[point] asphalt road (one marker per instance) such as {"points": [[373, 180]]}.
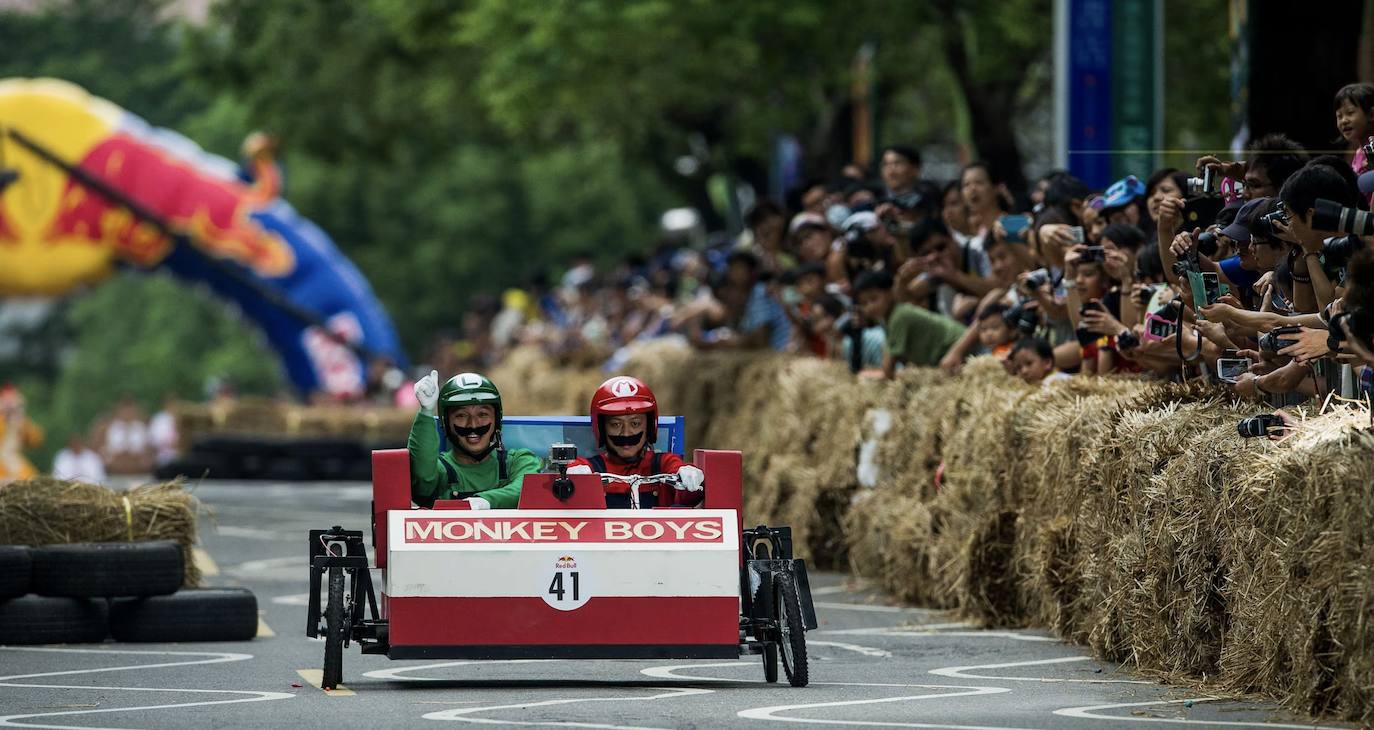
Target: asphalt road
{"points": [[873, 664]]}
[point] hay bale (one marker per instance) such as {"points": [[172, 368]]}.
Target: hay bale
{"points": [[988, 588], [1299, 524], [890, 542], [47, 511]]}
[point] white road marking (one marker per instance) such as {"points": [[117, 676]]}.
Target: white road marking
{"points": [[215, 658], [294, 599], [397, 672], [863, 607], [1089, 713], [461, 714], [218, 658], [672, 672], [962, 672], [828, 590], [856, 648], [266, 564], [977, 634], [770, 713], [250, 533], [890, 629]]}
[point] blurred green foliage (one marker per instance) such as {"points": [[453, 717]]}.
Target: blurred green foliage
{"points": [[453, 149]]}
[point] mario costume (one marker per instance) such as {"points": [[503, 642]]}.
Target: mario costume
{"points": [[475, 468], [629, 454]]}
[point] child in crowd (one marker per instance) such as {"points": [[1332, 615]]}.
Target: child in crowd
{"points": [[1032, 360], [995, 333]]}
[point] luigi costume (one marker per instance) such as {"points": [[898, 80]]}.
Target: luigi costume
{"points": [[489, 479]]}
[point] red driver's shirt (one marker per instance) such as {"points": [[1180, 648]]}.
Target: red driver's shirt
{"points": [[668, 463]]}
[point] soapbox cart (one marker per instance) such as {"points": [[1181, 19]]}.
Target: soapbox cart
{"points": [[562, 576]]}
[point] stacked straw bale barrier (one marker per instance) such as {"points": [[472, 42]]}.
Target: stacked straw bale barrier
{"points": [[1124, 515], [47, 511]]}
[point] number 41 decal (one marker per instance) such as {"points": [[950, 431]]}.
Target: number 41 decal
{"points": [[566, 589]]}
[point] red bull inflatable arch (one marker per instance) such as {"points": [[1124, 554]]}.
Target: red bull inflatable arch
{"points": [[89, 187]]}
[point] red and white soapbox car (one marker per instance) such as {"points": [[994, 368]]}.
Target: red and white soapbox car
{"points": [[562, 576]]}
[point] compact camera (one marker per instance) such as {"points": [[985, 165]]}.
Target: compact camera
{"points": [[1207, 185], [1261, 425]]}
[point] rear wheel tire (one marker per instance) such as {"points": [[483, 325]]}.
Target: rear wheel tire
{"points": [[334, 631], [791, 631], [764, 606]]}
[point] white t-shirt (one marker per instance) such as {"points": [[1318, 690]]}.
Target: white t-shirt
{"points": [[162, 430], [85, 466], [129, 437]]}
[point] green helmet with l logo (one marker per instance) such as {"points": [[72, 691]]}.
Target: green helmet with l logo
{"points": [[469, 389]]}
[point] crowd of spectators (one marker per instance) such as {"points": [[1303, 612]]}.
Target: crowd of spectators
{"points": [[1251, 271], [124, 442]]}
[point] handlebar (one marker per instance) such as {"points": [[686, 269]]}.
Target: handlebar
{"points": [[636, 480]]}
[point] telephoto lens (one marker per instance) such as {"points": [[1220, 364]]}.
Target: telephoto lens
{"points": [[1259, 426], [1328, 215]]}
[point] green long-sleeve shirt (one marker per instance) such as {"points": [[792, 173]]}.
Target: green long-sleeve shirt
{"points": [[441, 476]]}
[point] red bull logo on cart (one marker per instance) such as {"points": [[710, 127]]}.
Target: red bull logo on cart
{"points": [[627, 530]]}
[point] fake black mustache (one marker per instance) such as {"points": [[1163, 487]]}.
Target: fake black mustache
{"points": [[465, 432], [630, 440]]}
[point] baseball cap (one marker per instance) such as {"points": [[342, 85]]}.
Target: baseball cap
{"points": [[1239, 229], [1123, 191], [865, 220], [1228, 215], [1367, 183], [804, 219]]}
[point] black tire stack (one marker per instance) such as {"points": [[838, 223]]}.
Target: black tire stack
{"points": [[318, 458], [84, 592]]}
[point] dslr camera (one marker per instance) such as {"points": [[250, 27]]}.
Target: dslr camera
{"points": [[1328, 215], [1275, 340], [1036, 279], [1023, 319], [1093, 253], [1207, 243]]}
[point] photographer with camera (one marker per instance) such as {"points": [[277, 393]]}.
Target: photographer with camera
{"points": [[1312, 287], [1009, 260], [865, 245], [942, 274], [1269, 162]]}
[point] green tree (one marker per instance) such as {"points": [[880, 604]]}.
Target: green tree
{"points": [[147, 335]]}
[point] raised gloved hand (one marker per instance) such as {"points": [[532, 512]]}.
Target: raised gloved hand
{"points": [[478, 503], [690, 478], [580, 469], [427, 392]]}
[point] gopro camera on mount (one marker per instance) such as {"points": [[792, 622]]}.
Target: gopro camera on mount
{"points": [[562, 456]]}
